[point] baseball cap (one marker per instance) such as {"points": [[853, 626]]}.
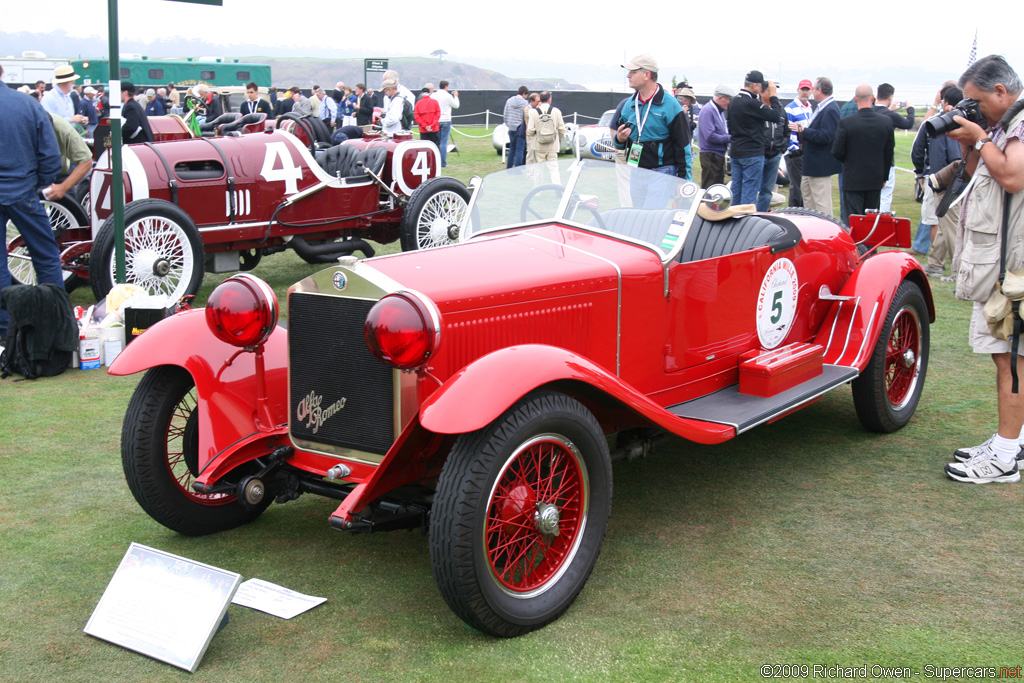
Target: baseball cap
{"points": [[754, 76], [389, 83], [64, 73], [806, 83], [724, 91], [151, 93], [89, 90], [685, 92], [644, 61]]}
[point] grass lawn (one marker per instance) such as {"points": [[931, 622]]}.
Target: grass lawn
{"points": [[805, 542]]}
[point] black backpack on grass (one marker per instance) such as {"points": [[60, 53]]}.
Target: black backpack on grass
{"points": [[42, 333]]}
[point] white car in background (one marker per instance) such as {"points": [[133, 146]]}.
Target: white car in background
{"points": [[499, 138], [595, 141]]}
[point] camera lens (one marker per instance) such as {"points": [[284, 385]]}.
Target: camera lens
{"points": [[941, 124]]}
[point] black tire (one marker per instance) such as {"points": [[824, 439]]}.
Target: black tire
{"points": [[302, 122], [886, 394], [64, 214], [159, 453], [500, 475], [163, 251], [434, 214]]}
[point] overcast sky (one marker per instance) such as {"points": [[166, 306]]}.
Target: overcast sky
{"points": [[740, 35]]}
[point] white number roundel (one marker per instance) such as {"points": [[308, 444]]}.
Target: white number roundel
{"points": [[776, 303]]}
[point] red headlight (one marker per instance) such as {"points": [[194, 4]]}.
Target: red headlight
{"points": [[403, 330], [242, 310]]}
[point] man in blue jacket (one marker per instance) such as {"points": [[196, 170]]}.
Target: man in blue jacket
{"points": [[817, 137], [30, 161], [653, 129]]}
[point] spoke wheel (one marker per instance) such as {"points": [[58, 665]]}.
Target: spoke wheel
{"points": [[519, 515], [435, 213], [887, 393], [160, 456], [64, 215], [162, 248]]}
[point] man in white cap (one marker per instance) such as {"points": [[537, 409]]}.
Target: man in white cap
{"points": [[58, 100], [87, 108], [653, 128], [392, 122]]}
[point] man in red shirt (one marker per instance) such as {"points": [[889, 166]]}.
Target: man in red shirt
{"points": [[428, 117]]}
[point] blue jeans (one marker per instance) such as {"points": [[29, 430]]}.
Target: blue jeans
{"points": [[653, 192], [922, 239], [516, 149], [746, 179], [769, 176], [29, 216], [445, 133]]}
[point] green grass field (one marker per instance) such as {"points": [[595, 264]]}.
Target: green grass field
{"points": [[805, 542]]}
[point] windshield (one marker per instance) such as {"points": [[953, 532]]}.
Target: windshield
{"points": [[606, 119], [636, 204]]}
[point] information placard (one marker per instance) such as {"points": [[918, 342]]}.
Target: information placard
{"points": [[163, 606]]}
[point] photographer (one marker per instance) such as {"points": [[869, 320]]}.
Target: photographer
{"points": [[995, 159]]}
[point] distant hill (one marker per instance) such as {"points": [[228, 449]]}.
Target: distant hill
{"points": [[413, 73]]}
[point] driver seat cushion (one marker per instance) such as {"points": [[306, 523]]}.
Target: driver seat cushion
{"points": [[209, 127], [347, 161], [239, 123], [645, 225], [708, 239]]}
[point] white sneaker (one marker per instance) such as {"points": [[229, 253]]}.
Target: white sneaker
{"points": [[965, 454], [984, 468]]}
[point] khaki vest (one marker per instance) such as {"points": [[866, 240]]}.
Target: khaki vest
{"points": [[979, 233]]}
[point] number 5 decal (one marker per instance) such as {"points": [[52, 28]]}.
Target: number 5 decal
{"points": [[776, 303], [289, 172]]}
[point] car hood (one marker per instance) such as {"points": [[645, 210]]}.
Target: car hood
{"points": [[546, 262]]}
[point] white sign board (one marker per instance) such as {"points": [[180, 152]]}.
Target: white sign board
{"points": [[163, 606], [273, 599]]}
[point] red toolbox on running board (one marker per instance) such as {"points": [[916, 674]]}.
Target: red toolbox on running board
{"points": [[767, 373]]}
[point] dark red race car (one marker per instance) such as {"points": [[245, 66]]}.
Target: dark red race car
{"points": [[219, 204], [591, 299]]}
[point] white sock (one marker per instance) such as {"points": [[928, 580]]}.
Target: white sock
{"points": [[1020, 439], [1005, 449]]}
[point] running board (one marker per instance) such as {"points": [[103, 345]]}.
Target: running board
{"points": [[729, 407]]}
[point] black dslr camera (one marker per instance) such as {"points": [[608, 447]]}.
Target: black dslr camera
{"points": [[943, 123]]}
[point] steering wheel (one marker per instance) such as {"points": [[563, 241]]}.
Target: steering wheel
{"points": [[525, 207], [593, 212]]}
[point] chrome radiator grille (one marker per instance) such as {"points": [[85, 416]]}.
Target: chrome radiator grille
{"points": [[340, 395]]}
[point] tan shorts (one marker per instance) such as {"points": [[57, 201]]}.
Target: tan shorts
{"points": [[980, 339], [928, 207]]}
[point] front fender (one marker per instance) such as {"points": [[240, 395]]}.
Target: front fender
{"points": [[225, 379], [852, 326], [476, 395]]}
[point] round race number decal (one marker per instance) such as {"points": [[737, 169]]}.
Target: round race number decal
{"points": [[776, 303]]}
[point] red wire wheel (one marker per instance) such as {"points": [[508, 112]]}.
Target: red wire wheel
{"points": [[160, 456], [536, 515], [520, 512], [887, 392], [183, 451], [901, 357]]}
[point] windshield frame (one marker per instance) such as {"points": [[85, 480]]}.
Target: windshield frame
{"points": [[568, 207]]}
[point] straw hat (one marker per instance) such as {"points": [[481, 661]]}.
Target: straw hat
{"points": [[64, 73]]}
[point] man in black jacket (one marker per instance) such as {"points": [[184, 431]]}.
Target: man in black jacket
{"points": [[254, 104], [748, 115], [776, 139], [884, 104], [135, 124], [864, 144]]}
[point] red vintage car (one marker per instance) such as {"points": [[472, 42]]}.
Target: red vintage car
{"points": [[219, 204], [591, 299]]}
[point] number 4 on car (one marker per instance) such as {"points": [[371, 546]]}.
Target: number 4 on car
{"points": [[472, 391]]}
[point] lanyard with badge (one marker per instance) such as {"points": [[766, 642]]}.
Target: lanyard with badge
{"points": [[636, 148]]}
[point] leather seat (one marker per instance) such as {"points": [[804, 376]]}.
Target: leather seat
{"points": [[706, 239], [237, 125], [209, 128], [346, 161]]}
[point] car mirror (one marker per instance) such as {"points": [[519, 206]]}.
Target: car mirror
{"points": [[718, 198]]}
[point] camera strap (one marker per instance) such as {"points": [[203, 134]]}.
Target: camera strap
{"points": [[1017, 322]]}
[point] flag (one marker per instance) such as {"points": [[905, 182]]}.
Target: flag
{"points": [[974, 49]]}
